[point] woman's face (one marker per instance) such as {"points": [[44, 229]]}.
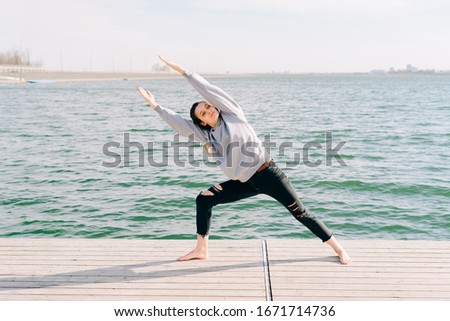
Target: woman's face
{"points": [[207, 113]]}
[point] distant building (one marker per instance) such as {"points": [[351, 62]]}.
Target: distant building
{"points": [[411, 68]]}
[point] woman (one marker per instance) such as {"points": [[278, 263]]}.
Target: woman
{"points": [[220, 124]]}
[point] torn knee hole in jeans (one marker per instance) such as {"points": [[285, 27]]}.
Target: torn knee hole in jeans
{"points": [[296, 209], [301, 215], [291, 207], [212, 190]]}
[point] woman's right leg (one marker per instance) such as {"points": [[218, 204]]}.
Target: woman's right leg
{"points": [[229, 191]]}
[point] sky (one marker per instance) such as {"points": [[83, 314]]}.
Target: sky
{"points": [[230, 35]]}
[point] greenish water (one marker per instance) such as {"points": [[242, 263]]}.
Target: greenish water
{"points": [[394, 129]]}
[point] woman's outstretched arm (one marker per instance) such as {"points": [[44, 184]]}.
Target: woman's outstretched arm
{"points": [[213, 94], [173, 65], [148, 97], [183, 126]]}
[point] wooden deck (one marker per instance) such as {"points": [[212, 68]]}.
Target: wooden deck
{"points": [[281, 269]]}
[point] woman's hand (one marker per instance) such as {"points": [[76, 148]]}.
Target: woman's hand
{"points": [[148, 97], [172, 65]]}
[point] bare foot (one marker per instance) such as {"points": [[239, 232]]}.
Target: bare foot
{"points": [[344, 258], [195, 254]]}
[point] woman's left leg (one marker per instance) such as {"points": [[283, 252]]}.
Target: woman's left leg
{"points": [[282, 190]]}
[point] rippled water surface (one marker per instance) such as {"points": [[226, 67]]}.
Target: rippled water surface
{"points": [[396, 147]]}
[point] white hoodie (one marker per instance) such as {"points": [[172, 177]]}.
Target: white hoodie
{"points": [[237, 150]]}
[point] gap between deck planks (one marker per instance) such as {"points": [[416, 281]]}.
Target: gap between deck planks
{"points": [[278, 269]]}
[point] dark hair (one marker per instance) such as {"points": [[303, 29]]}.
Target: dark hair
{"points": [[197, 120]]}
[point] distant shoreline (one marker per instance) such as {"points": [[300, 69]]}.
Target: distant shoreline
{"points": [[25, 77], [76, 76], [17, 77]]}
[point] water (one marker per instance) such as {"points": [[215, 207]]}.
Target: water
{"points": [[395, 184]]}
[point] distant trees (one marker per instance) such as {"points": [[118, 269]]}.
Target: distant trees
{"points": [[16, 57]]}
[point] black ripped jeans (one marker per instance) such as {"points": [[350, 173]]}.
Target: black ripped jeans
{"points": [[270, 181]]}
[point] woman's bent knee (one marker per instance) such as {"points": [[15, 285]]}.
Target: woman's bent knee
{"points": [[207, 193], [204, 198]]}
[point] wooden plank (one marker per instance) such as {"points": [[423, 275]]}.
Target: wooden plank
{"points": [[362, 244], [301, 294], [123, 244], [136, 291], [129, 269], [365, 252], [147, 296], [124, 269], [391, 286], [351, 276], [316, 280], [138, 284], [119, 259], [381, 270]]}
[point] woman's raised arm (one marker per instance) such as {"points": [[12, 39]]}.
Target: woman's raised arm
{"points": [[172, 65]]}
